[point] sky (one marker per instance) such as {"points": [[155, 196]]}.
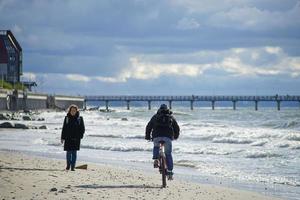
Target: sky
{"points": [[158, 47]]}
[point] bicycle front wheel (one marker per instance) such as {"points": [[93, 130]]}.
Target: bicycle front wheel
{"points": [[164, 171]]}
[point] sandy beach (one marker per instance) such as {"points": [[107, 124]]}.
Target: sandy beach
{"points": [[29, 177]]}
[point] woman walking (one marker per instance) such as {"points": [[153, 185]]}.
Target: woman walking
{"points": [[72, 132]]}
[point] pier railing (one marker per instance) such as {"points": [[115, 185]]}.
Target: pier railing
{"points": [[193, 98]]}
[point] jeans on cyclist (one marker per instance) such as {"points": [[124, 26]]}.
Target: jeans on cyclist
{"points": [[168, 150]]}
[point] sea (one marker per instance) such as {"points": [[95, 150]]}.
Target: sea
{"points": [[243, 149]]}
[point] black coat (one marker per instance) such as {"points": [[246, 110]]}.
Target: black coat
{"points": [[153, 130], [72, 132]]}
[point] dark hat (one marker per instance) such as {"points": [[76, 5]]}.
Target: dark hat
{"points": [[163, 107]]}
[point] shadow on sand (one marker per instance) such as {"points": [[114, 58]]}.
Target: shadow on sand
{"points": [[94, 186], [29, 169]]}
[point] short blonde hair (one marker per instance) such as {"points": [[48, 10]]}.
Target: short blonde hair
{"points": [[72, 106]]}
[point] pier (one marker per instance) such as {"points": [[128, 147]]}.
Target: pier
{"points": [[193, 98]]}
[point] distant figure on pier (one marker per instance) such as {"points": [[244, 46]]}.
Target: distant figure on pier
{"points": [[72, 132], [163, 127]]}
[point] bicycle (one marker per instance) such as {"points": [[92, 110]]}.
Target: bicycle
{"points": [[162, 164]]}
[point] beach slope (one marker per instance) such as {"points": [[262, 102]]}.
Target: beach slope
{"points": [[28, 177]]}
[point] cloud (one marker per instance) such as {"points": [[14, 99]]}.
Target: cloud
{"points": [[28, 76], [6, 3], [110, 79], [78, 77], [186, 24], [236, 62], [273, 50], [145, 70], [253, 18]]}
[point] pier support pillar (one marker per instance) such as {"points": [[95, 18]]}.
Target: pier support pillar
{"points": [[106, 105], [213, 105], [128, 105], [84, 105], [278, 105], [234, 105], [256, 105], [192, 105], [149, 105], [24, 101], [170, 105]]}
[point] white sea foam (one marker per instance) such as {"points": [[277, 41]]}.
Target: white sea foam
{"points": [[232, 140]]}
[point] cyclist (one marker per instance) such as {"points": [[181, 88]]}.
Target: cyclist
{"points": [[163, 127]]}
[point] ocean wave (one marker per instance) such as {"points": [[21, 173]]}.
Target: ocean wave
{"points": [[105, 136], [56, 144], [293, 137], [185, 163], [290, 183], [209, 151], [259, 143], [117, 148], [118, 136], [232, 141], [296, 147], [283, 145], [287, 125], [207, 136], [181, 113], [45, 142], [281, 125], [262, 155]]}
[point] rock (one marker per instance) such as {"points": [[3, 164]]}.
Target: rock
{"points": [[27, 118], [3, 117], [26, 111], [21, 126], [6, 125], [43, 127], [106, 111], [92, 109], [62, 191], [124, 119], [53, 189]]}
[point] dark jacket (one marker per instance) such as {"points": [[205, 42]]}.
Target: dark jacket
{"points": [[72, 132], [154, 130]]}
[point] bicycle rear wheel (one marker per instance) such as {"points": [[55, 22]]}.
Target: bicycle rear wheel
{"points": [[163, 171]]}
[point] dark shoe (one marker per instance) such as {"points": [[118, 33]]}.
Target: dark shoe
{"points": [[170, 175], [68, 167], [155, 163], [72, 169]]}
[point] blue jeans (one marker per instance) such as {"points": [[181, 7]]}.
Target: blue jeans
{"points": [[71, 158], [168, 150]]}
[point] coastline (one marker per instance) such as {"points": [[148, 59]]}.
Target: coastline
{"points": [[29, 177]]}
